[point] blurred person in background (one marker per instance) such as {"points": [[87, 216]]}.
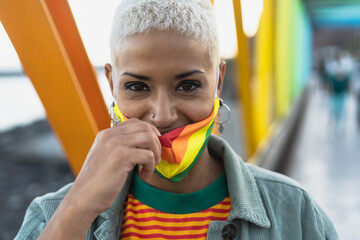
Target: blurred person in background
{"points": [[357, 97], [339, 72], [159, 173], [325, 59], [322, 57]]}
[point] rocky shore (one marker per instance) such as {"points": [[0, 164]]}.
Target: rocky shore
{"points": [[31, 164]]}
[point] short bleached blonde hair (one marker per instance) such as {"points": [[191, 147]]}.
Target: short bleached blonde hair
{"points": [[192, 18]]}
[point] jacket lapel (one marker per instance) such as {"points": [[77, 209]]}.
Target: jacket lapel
{"points": [[109, 222], [246, 202]]}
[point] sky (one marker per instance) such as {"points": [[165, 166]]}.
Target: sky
{"points": [[93, 19]]}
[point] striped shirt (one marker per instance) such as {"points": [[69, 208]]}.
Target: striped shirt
{"points": [[187, 219]]}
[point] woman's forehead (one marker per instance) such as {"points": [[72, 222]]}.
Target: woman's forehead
{"points": [[165, 49]]}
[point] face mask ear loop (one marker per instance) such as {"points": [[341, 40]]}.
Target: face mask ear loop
{"points": [[217, 80], [112, 77]]}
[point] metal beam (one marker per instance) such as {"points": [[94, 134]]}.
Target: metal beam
{"points": [[264, 72], [330, 3], [243, 80], [86, 74], [59, 69]]}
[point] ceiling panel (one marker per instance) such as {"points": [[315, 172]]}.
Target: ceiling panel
{"points": [[334, 13]]}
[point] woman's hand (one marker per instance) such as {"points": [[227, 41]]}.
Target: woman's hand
{"points": [[114, 153]]}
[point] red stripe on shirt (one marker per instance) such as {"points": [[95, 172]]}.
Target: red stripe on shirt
{"points": [[185, 219], [153, 227], [164, 236]]}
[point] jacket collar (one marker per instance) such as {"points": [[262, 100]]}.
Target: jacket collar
{"points": [[245, 198], [109, 220]]}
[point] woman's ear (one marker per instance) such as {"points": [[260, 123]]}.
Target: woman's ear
{"points": [[109, 75], [222, 70]]}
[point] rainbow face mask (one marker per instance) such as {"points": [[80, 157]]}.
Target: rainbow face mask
{"points": [[181, 147]]}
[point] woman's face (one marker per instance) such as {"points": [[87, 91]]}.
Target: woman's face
{"points": [[165, 79]]}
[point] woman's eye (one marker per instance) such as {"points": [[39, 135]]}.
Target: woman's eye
{"points": [[137, 86], [188, 86]]}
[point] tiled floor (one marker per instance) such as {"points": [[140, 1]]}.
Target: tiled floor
{"points": [[328, 164]]}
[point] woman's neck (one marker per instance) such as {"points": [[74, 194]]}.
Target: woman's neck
{"points": [[206, 170]]}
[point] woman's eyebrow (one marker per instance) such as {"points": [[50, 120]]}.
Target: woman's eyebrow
{"points": [[186, 74], [178, 76], [141, 77]]}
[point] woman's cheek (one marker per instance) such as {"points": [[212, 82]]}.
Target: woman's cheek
{"points": [[196, 111], [132, 109]]}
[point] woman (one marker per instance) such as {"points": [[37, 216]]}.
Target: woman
{"points": [[158, 173]]}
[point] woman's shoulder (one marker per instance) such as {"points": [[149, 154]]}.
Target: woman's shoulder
{"points": [[53, 198], [272, 184], [48, 203], [268, 182], [39, 213], [284, 198], [275, 179], [280, 192]]}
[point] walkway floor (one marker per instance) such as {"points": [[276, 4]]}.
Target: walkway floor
{"points": [[328, 164]]}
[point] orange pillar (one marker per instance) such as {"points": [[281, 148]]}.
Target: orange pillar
{"points": [[86, 75], [50, 49], [243, 80]]}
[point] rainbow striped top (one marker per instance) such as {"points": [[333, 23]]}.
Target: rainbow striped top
{"points": [[151, 213]]}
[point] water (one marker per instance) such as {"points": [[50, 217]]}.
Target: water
{"points": [[21, 105], [19, 102]]}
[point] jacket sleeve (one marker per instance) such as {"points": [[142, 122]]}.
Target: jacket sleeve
{"points": [[315, 222], [329, 229]]}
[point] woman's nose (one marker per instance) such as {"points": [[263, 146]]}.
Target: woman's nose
{"points": [[163, 113]]}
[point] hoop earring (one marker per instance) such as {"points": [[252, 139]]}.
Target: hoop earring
{"points": [[226, 107], [111, 114]]}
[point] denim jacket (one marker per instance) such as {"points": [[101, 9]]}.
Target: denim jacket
{"points": [[264, 205]]}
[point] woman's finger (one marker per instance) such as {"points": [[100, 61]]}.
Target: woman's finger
{"points": [[141, 140], [146, 160]]}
